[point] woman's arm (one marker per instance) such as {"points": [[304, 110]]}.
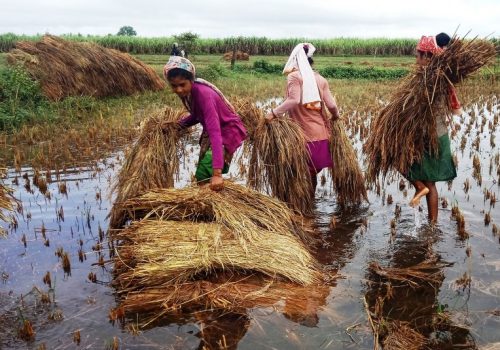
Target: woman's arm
{"points": [[329, 101], [212, 126], [188, 121], [293, 96]]}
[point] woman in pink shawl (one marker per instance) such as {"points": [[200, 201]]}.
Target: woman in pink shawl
{"points": [[307, 96]]}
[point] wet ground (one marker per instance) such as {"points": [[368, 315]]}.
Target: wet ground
{"points": [[459, 309]]}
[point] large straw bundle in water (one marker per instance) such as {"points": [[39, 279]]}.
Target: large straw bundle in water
{"points": [[158, 252], [250, 115], [348, 179], [66, 68], [279, 164], [152, 163], [241, 211], [406, 127], [229, 292]]}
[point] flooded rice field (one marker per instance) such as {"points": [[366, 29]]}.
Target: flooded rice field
{"points": [[54, 263]]}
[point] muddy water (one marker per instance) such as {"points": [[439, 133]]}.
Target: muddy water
{"points": [[451, 312]]}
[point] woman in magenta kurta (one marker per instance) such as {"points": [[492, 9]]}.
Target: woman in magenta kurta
{"points": [[223, 130], [308, 94]]}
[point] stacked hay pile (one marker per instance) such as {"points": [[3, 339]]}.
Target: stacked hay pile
{"points": [[171, 243], [65, 68], [240, 56]]}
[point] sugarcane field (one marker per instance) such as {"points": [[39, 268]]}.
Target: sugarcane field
{"points": [[226, 191]]}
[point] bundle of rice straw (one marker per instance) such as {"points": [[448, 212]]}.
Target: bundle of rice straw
{"points": [[406, 127], [429, 271], [153, 161], [348, 179], [279, 164], [400, 336], [226, 291], [242, 211], [66, 68], [250, 115], [7, 202], [159, 252]]}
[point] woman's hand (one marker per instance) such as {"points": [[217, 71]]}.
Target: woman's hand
{"points": [[217, 182], [270, 116]]}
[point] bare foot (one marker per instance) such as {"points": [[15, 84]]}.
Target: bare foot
{"points": [[418, 195]]}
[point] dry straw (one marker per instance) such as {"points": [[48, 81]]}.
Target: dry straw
{"points": [[240, 210], [347, 176], [158, 252], [279, 163], [229, 292], [406, 127], [66, 68], [153, 161]]}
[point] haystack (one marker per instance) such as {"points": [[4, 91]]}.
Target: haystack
{"points": [[65, 68], [242, 211], [406, 127], [153, 161], [348, 179], [159, 252], [240, 56], [227, 291]]}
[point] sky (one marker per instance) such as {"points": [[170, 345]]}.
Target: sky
{"points": [[272, 19]]}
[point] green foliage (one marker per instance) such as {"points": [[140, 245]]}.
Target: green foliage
{"points": [[213, 72], [341, 72], [127, 31], [21, 98], [263, 66]]}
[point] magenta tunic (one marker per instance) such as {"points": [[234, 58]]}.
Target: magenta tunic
{"points": [[224, 128]]}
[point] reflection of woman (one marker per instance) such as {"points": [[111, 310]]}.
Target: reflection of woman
{"points": [[431, 169], [223, 130], [307, 94]]}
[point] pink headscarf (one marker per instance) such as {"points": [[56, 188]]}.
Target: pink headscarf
{"points": [[429, 44]]}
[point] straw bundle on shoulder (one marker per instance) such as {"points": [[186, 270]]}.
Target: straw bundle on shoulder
{"points": [[66, 68], [158, 252], [229, 292], [348, 179], [240, 210], [406, 127], [153, 161], [279, 164]]}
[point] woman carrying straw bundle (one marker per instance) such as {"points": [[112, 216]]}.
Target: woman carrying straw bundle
{"points": [[432, 168], [223, 130], [307, 94]]}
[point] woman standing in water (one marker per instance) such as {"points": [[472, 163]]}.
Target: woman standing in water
{"points": [[223, 130], [308, 93]]}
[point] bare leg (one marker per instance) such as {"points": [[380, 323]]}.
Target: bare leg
{"points": [[420, 191], [432, 201]]}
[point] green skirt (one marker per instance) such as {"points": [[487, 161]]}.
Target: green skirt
{"points": [[204, 171], [435, 169]]}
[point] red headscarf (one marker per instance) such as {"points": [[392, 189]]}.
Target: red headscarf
{"points": [[429, 44]]}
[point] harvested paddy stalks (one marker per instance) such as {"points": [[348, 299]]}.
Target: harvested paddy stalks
{"points": [[153, 161], [242, 211], [229, 292], [7, 201], [158, 252], [426, 271], [279, 164], [67, 68], [239, 56], [406, 127], [250, 115], [348, 179], [400, 336]]}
